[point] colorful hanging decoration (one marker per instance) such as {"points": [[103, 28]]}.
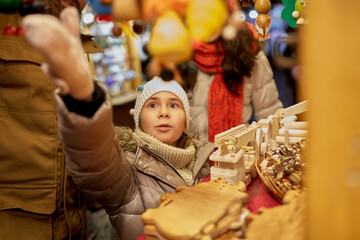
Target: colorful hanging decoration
{"points": [[22, 7], [300, 11], [286, 13], [177, 26], [206, 18], [170, 39], [294, 12], [263, 20], [99, 7], [246, 3], [9, 6], [103, 15]]}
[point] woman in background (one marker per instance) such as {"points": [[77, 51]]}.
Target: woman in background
{"points": [[234, 81]]}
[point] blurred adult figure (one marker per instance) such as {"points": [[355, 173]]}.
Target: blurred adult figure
{"points": [[234, 82], [38, 199]]}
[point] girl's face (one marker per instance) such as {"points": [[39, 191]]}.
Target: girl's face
{"points": [[163, 117]]}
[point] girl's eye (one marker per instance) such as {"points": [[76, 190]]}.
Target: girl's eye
{"points": [[173, 105], [152, 105]]}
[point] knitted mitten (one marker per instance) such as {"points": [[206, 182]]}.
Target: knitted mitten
{"points": [[58, 40]]}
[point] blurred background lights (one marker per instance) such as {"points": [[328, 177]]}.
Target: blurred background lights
{"points": [[243, 16], [253, 14], [88, 18]]}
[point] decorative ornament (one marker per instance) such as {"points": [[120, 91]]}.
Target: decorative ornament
{"points": [[170, 40], [294, 12], [229, 32], [22, 7], [36, 6], [237, 19], [246, 3], [106, 2], [263, 20], [235, 22], [100, 8], [206, 18], [9, 6], [300, 11], [20, 31], [110, 80], [140, 88], [116, 30], [139, 26], [9, 30], [103, 18], [178, 26], [125, 28]]}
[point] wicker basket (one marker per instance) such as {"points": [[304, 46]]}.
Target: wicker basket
{"points": [[276, 190]]}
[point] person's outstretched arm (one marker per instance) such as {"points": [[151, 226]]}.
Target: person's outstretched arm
{"points": [[94, 158], [59, 43]]}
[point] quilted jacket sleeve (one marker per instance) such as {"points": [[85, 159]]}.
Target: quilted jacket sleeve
{"points": [[94, 158], [265, 96]]}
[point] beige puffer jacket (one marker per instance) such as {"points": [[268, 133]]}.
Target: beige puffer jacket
{"points": [[260, 96], [125, 183]]}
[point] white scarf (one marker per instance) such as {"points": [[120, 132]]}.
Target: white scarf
{"points": [[182, 160]]}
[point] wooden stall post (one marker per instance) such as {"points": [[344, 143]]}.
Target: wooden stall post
{"points": [[330, 56]]}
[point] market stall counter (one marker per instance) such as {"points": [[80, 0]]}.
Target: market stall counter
{"points": [[259, 197]]}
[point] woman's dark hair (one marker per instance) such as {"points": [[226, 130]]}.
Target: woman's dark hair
{"points": [[239, 57]]}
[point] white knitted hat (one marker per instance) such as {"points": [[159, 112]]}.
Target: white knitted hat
{"points": [[156, 85]]}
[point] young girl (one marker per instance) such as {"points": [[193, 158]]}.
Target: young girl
{"points": [[125, 182]]}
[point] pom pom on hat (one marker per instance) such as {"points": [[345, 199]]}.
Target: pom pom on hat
{"points": [[154, 86]]}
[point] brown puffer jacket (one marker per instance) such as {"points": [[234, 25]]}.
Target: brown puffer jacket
{"points": [[38, 200], [125, 183]]}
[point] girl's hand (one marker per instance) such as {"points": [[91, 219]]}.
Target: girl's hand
{"points": [[59, 43]]}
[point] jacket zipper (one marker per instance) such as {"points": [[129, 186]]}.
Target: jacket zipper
{"points": [[147, 147]]}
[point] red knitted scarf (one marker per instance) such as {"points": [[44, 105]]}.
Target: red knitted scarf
{"points": [[224, 107]]}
